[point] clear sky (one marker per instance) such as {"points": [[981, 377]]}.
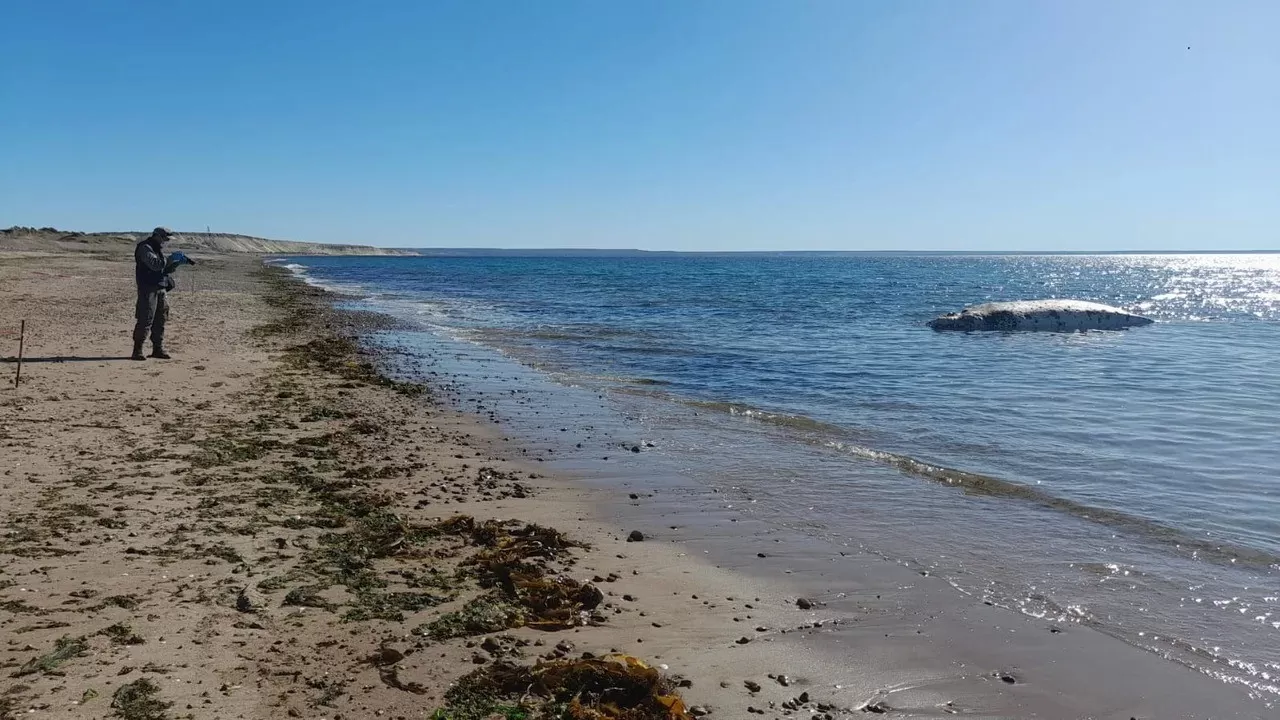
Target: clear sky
{"points": [[682, 124]]}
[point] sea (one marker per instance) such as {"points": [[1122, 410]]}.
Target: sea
{"points": [[1125, 480]]}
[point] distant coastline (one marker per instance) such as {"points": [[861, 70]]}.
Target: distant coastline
{"points": [[49, 238]]}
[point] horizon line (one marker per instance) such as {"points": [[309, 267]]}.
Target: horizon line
{"points": [[640, 251]]}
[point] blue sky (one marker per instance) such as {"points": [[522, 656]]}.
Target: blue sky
{"points": [[688, 125]]}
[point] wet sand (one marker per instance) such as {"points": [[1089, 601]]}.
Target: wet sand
{"points": [[151, 518]]}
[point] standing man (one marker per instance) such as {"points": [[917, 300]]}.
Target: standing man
{"points": [[151, 270]]}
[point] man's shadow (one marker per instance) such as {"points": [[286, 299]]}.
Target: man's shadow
{"points": [[65, 358]]}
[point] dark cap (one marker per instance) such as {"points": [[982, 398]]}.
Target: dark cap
{"points": [[163, 232]]}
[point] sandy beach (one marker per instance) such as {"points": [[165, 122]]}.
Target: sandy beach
{"points": [[267, 526]]}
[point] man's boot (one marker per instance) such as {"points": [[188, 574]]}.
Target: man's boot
{"points": [[157, 351], [137, 352]]}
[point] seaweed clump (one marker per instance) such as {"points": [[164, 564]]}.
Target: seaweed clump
{"points": [[64, 649], [138, 701], [615, 687], [513, 564]]}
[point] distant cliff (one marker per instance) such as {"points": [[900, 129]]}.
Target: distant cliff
{"points": [[47, 238], [225, 242]]}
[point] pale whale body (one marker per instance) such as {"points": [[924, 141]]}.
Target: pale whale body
{"points": [[1040, 315]]}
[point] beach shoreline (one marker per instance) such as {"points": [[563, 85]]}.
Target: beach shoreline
{"points": [[148, 498], [150, 485]]}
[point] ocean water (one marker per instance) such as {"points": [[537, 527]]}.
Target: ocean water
{"points": [[1125, 480]]}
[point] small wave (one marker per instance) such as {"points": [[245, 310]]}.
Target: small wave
{"points": [[655, 349], [626, 380], [302, 273], [577, 332], [1107, 570], [336, 288], [784, 420], [977, 484], [480, 316], [293, 267], [837, 437]]}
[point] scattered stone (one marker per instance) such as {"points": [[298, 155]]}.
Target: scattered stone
{"points": [[635, 536], [752, 686], [386, 656], [743, 640], [804, 604], [249, 600]]}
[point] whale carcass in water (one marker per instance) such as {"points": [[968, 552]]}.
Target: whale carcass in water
{"points": [[1043, 315]]}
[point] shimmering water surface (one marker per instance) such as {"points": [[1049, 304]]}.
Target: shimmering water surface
{"points": [[1127, 480]]}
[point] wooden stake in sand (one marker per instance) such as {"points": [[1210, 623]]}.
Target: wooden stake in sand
{"points": [[22, 340]]}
